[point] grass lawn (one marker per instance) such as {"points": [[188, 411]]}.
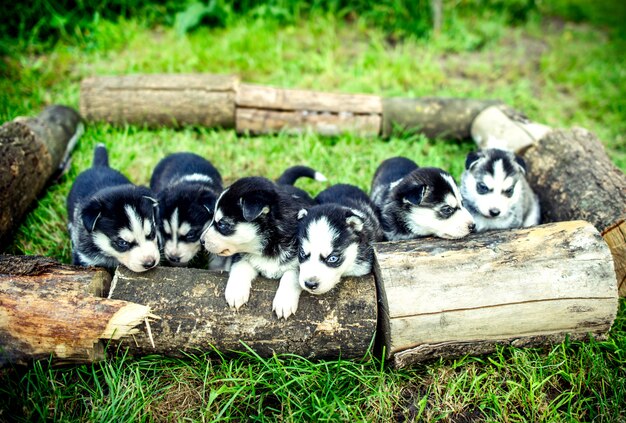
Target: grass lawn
{"points": [[564, 71]]}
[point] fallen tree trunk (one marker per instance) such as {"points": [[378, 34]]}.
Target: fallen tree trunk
{"points": [[31, 152], [195, 316], [527, 287], [575, 179], [154, 100], [50, 310]]}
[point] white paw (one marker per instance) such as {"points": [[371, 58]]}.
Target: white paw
{"points": [[237, 293], [286, 302]]}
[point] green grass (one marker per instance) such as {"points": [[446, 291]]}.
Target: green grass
{"points": [[560, 71]]}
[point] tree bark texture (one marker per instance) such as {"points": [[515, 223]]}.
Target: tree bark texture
{"points": [[31, 152], [262, 110], [194, 316], [575, 179], [51, 310], [523, 287], [158, 99]]}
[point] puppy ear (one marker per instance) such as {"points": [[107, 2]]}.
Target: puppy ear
{"points": [[90, 214], [354, 221], [253, 208], [471, 159], [415, 195], [302, 213], [521, 163]]}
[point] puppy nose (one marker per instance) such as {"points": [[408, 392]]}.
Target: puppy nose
{"points": [[149, 263], [472, 227], [311, 284], [494, 212], [202, 241]]}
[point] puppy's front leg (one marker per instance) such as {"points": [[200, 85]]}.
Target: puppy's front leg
{"points": [[288, 294], [239, 281]]}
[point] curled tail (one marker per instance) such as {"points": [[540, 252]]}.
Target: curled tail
{"points": [[290, 175], [100, 156]]}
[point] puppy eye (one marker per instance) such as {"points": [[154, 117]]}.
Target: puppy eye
{"points": [[447, 211], [302, 255], [221, 225], [191, 236], [122, 244], [481, 188], [332, 260], [508, 192]]}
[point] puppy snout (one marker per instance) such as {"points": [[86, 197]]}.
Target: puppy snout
{"points": [[494, 212], [173, 259], [312, 284], [149, 263]]}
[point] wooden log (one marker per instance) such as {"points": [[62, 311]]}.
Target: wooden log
{"points": [[501, 127], [434, 117], [525, 287], [195, 316], [264, 110], [575, 179], [31, 152], [161, 99], [50, 310]]}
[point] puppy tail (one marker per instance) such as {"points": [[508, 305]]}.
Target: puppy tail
{"points": [[100, 156], [292, 174]]}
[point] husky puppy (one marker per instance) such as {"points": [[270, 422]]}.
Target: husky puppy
{"points": [[412, 202], [496, 192], [187, 187], [335, 238], [111, 221], [255, 222]]}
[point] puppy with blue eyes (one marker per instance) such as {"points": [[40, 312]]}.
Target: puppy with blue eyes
{"points": [[187, 187], [111, 221], [335, 238], [414, 202], [495, 191], [255, 223]]}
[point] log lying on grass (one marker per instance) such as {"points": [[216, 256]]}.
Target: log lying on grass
{"points": [[170, 100], [195, 317], [575, 179], [51, 310], [526, 287], [31, 152]]}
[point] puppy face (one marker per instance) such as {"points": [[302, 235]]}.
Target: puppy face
{"points": [[241, 216], [328, 238], [490, 182], [430, 204], [184, 213], [122, 225]]}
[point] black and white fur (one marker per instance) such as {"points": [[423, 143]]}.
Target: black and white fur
{"points": [[495, 191], [255, 222], [187, 187], [413, 202], [335, 238], [111, 221]]}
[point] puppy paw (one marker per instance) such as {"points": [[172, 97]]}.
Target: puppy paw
{"points": [[286, 302], [237, 293]]}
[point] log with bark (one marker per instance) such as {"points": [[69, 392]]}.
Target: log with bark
{"points": [[575, 179], [196, 318], [526, 287], [31, 152], [262, 110], [52, 310], [157, 99]]}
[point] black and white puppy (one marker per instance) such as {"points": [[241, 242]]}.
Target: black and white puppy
{"points": [[255, 221], [335, 238], [187, 187], [111, 221], [412, 202], [495, 191]]}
